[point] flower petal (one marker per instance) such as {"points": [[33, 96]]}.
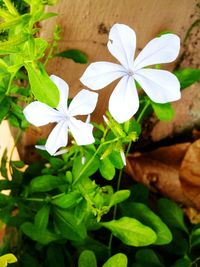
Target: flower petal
{"points": [[81, 131], [83, 103], [64, 91], [40, 114], [88, 119], [61, 152], [123, 157], [122, 44], [163, 49], [124, 101], [41, 147], [100, 74], [57, 138], [160, 85]]}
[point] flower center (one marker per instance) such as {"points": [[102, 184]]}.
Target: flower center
{"points": [[67, 117], [130, 72]]}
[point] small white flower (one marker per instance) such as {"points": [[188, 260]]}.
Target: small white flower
{"points": [[123, 157], [83, 103], [83, 160], [160, 85]]}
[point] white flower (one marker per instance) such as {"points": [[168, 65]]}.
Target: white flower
{"points": [[83, 103], [160, 85]]}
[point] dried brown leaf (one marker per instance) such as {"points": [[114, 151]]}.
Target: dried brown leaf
{"points": [[190, 173], [159, 170]]}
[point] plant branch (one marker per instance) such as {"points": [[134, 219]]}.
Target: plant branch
{"points": [[115, 207]]}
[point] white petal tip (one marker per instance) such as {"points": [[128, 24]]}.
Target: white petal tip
{"points": [[61, 151], [40, 147], [123, 157], [105, 119]]}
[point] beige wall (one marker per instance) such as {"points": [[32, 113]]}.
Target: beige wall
{"points": [[7, 141], [85, 25]]}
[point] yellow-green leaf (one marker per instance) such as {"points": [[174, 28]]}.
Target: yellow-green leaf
{"points": [[42, 86], [6, 259]]}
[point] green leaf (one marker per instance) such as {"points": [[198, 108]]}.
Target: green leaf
{"points": [[116, 159], [4, 200], [179, 244], [164, 112], [132, 126], [77, 166], [56, 163], [74, 54], [68, 177], [67, 225], [17, 111], [140, 193], [67, 200], [100, 249], [118, 259], [40, 47], [81, 170], [147, 257], [11, 8], [55, 256], [42, 86], [17, 163], [5, 184], [6, 259], [131, 232], [8, 50], [87, 259], [146, 216], [195, 237], [80, 210], [13, 120], [171, 214], [184, 262], [187, 76], [42, 217], [119, 197], [46, 183], [12, 45], [6, 25], [5, 107], [5, 14], [107, 169], [42, 236], [29, 260], [3, 167]]}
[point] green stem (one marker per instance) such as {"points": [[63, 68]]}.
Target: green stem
{"points": [[13, 148], [35, 199], [10, 82], [59, 195], [195, 262], [139, 119], [115, 207], [92, 158], [46, 199], [143, 111], [49, 55], [51, 52]]}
